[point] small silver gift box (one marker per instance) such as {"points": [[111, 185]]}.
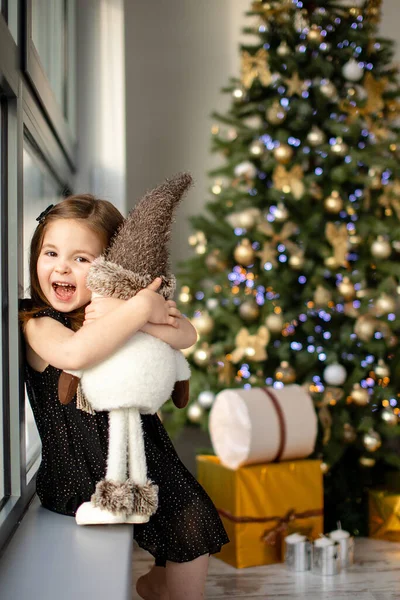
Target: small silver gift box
{"points": [[346, 552], [326, 559], [298, 555]]}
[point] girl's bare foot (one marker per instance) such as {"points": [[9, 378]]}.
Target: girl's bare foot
{"points": [[153, 585]]}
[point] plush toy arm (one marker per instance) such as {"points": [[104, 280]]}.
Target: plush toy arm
{"points": [[67, 387]]}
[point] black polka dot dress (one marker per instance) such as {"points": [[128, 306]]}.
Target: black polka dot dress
{"points": [[74, 451]]}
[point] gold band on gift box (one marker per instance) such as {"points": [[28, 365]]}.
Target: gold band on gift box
{"points": [[282, 425], [270, 536]]}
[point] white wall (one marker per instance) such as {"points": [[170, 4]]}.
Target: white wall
{"points": [[179, 53]]}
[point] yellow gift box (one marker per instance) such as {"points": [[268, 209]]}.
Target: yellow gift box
{"points": [[261, 504], [384, 515]]}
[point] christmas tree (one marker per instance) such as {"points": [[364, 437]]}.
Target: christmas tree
{"points": [[295, 274]]}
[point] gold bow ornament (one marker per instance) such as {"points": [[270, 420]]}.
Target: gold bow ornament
{"points": [[252, 347], [391, 197], [289, 182], [269, 251], [255, 67], [338, 237]]}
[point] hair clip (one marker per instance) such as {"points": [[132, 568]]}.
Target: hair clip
{"points": [[44, 214]]}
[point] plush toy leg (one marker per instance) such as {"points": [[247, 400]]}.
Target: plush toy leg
{"points": [[145, 492], [112, 501]]}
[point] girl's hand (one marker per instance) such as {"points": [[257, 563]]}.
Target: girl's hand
{"points": [[163, 312], [100, 307]]}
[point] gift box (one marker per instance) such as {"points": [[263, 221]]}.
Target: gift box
{"points": [[261, 504], [262, 425], [384, 515]]}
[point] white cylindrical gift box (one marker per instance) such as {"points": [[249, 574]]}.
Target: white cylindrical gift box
{"points": [[262, 425]]}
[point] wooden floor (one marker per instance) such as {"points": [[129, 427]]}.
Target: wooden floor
{"points": [[375, 576]]}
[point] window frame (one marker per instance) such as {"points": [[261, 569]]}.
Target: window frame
{"points": [[37, 77], [23, 117]]}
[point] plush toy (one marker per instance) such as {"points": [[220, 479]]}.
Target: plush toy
{"points": [[141, 376]]}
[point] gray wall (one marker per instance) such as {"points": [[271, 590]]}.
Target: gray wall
{"points": [[178, 55]]}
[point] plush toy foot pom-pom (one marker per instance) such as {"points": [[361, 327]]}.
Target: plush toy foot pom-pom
{"points": [[145, 498], [116, 497], [87, 514]]}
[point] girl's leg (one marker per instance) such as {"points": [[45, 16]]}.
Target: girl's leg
{"points": [[153, 585], [186, 581]]}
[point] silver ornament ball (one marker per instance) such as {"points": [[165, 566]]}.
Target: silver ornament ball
{"points": [[335, 374], [206, 398]]}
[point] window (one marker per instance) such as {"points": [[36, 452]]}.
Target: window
{"points": [[9, 10], [3, 407], [50, 63], [40, 190], [35, 165]]}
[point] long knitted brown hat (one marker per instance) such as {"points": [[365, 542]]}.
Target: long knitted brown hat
{"points": [[139, 251]]}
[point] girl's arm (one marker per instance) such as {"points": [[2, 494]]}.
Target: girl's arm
{"points": [[66, 349], [182, 336]]}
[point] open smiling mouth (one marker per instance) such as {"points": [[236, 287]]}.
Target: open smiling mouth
{"points": [[64, 291]]}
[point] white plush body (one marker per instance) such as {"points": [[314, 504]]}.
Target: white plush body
{"points": [[140, 375]]}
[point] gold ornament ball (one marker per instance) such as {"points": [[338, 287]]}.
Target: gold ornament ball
{"points": [[365, 327], [244, 253], [382, 370], [274, 323], [296, 261], [339, 147], [331, 263], [385, 304], [355, 240], [314, 35], [283, 49], [281, 213], [389, 417], [257, 148], [203, 323], [185, 296], [316, 137], [366, 461], [328, 89], [349, 433], [249, 310], [214, 262], [283, 154], [346, 289], [246, 219], [359, 395], [239, 95], [324, 468], [372, 441], [285, 373], [333, 203], [322, 296], [355, 12], [275, 114], [194, 413], [202, 356], [381, 248]]}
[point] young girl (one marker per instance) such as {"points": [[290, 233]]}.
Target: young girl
{"points": [[186, 527]]}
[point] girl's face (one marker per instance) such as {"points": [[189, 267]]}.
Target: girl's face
{"points": [[68, 249]]}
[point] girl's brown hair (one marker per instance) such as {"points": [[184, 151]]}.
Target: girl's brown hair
{"points": [[100, 216]]}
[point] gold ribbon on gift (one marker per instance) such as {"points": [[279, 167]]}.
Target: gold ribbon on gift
{"points": [[289, 182], [255, 67], [252, 347], [271, 536], [269, 252], [338, 237]]}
